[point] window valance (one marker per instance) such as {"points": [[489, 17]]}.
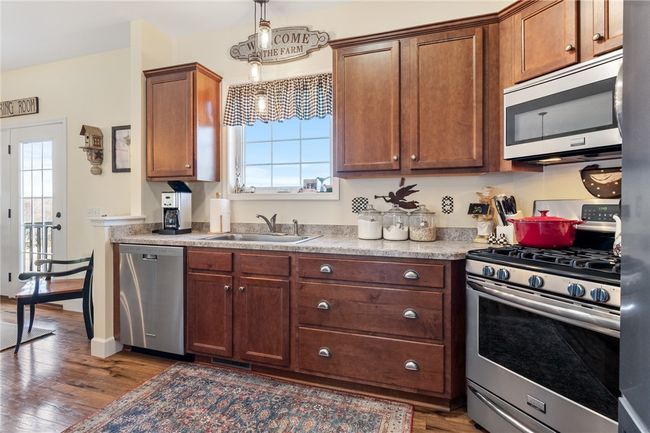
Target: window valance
{"points": [[303, 97]]}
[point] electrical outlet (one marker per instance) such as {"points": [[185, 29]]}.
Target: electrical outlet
{"points": [[93, 212]]}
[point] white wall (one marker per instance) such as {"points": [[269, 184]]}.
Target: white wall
{"points": [[92, 90], [340, 21]]}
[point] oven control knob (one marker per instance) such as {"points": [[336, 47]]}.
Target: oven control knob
{"points": [[599, 295], [503, 274], [576, 290], [488, 271], [536, 282]]}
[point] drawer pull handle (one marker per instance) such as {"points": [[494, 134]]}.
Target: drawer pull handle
{"points": [[326, 269], [324, 352], [323, 305], [242, 288], [410, 274], [226, 288], [411, 365], [410, 313]]}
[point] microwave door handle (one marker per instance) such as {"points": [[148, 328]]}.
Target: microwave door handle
{"points": [[503, 414], [580, 141], [552, 311]]}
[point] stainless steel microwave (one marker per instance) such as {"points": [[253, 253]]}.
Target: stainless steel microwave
{"points": [[565, 116]]}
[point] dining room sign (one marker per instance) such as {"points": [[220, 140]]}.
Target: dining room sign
{"points": [[19, 107], [289, 43]]}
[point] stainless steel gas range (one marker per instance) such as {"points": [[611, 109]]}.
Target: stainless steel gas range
{"points": [[543, 331]]}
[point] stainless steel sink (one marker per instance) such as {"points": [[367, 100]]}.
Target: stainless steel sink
{"points": [[258, 237]]}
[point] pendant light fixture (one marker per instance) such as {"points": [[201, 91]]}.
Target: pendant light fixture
{"points": [[264, 32], [261, 101], [254, 68]]}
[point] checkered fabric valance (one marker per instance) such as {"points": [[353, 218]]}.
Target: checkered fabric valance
{"points": [[302, 97]]}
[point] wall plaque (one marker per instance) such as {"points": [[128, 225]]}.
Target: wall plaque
{"points": [[289, 43], [19, 107]]}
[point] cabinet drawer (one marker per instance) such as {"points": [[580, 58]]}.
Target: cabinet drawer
{"points": [[409, 313], [384, 361], [372, 271], [207, 260], [265, 264]]}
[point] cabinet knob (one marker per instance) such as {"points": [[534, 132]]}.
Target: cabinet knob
{"points": [[226, 288], [411, 365], [410, 274], [569, 47], [187, 165], [326, 269], [324, 352], [395, 157], [242, 288], [410, 313], [413, 157], [323, 305], [597, 37]]}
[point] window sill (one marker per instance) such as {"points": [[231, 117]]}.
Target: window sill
{"points": [[277, 196]]}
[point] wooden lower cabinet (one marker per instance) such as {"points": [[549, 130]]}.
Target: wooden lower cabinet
{"points": [[262, 315], [235, 316], [391, 325], [209, 314]]}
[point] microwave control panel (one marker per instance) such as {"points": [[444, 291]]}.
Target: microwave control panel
{"points": [[600, 212]]}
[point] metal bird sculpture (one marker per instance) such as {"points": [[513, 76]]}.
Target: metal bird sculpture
{"points": [[399, 197]]}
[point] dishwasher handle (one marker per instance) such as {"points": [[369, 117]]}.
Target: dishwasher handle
{"points": [[150, 257]]}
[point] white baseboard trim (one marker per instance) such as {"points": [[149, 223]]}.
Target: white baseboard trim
{"points": [[104, 347]]}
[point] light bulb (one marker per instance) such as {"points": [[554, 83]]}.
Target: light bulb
{"points": [[261, 101], [264, 35], [255, 69]]}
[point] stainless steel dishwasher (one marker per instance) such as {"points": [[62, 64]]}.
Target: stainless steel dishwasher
{"points": [[151, 297]]}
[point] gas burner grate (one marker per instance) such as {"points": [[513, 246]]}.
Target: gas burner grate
{"points": [[575, 258]]}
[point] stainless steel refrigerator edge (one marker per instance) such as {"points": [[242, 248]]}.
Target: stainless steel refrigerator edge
{"points": [[151, 297], [634, 404]]}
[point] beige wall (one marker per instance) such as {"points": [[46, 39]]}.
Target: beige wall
{"points": [[92, 90], [361, 18]]}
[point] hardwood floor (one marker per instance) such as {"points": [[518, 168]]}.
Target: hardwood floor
{"points": [[53, 382]]}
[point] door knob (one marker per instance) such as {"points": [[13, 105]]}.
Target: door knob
{"points": [[569, 47], [395, 157], [413, 157], [226, 288], [242, 288], [597, 37], [187, 165]]}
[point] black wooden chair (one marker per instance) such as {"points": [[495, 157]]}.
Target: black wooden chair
{"points": [[48, 286]]}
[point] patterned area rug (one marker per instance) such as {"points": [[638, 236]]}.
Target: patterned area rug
{"points": [[192, 398]]}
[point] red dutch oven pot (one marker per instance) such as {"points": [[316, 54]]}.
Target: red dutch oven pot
{"points": [[545, 231]]}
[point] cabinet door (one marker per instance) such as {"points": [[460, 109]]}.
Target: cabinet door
{"points": [[170, 116], [608, 25], [209, 314], [545, 38], [262, 320], [367, 107], [443, 104]]}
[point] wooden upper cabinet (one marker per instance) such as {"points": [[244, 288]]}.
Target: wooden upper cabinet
{"points": [[367, 107], [608, 25], [443, 100], [262, 310], [183, 128], [545, 38]]}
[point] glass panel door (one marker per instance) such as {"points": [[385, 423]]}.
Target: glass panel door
{"points": [[36, 176]]}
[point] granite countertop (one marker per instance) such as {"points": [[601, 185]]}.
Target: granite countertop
{"points": [[327, 244]]}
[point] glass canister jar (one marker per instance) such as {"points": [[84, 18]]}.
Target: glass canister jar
{"points": [[396, 224], [422, 225], [369, 224]]}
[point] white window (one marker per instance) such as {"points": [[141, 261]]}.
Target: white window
{"points": [[293, 156]]}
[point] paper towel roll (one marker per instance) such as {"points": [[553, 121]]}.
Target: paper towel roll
{"points": [[219, 215]]}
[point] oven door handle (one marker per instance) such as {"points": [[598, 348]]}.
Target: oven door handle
{"points": [[503, 414], [553, 311]]}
